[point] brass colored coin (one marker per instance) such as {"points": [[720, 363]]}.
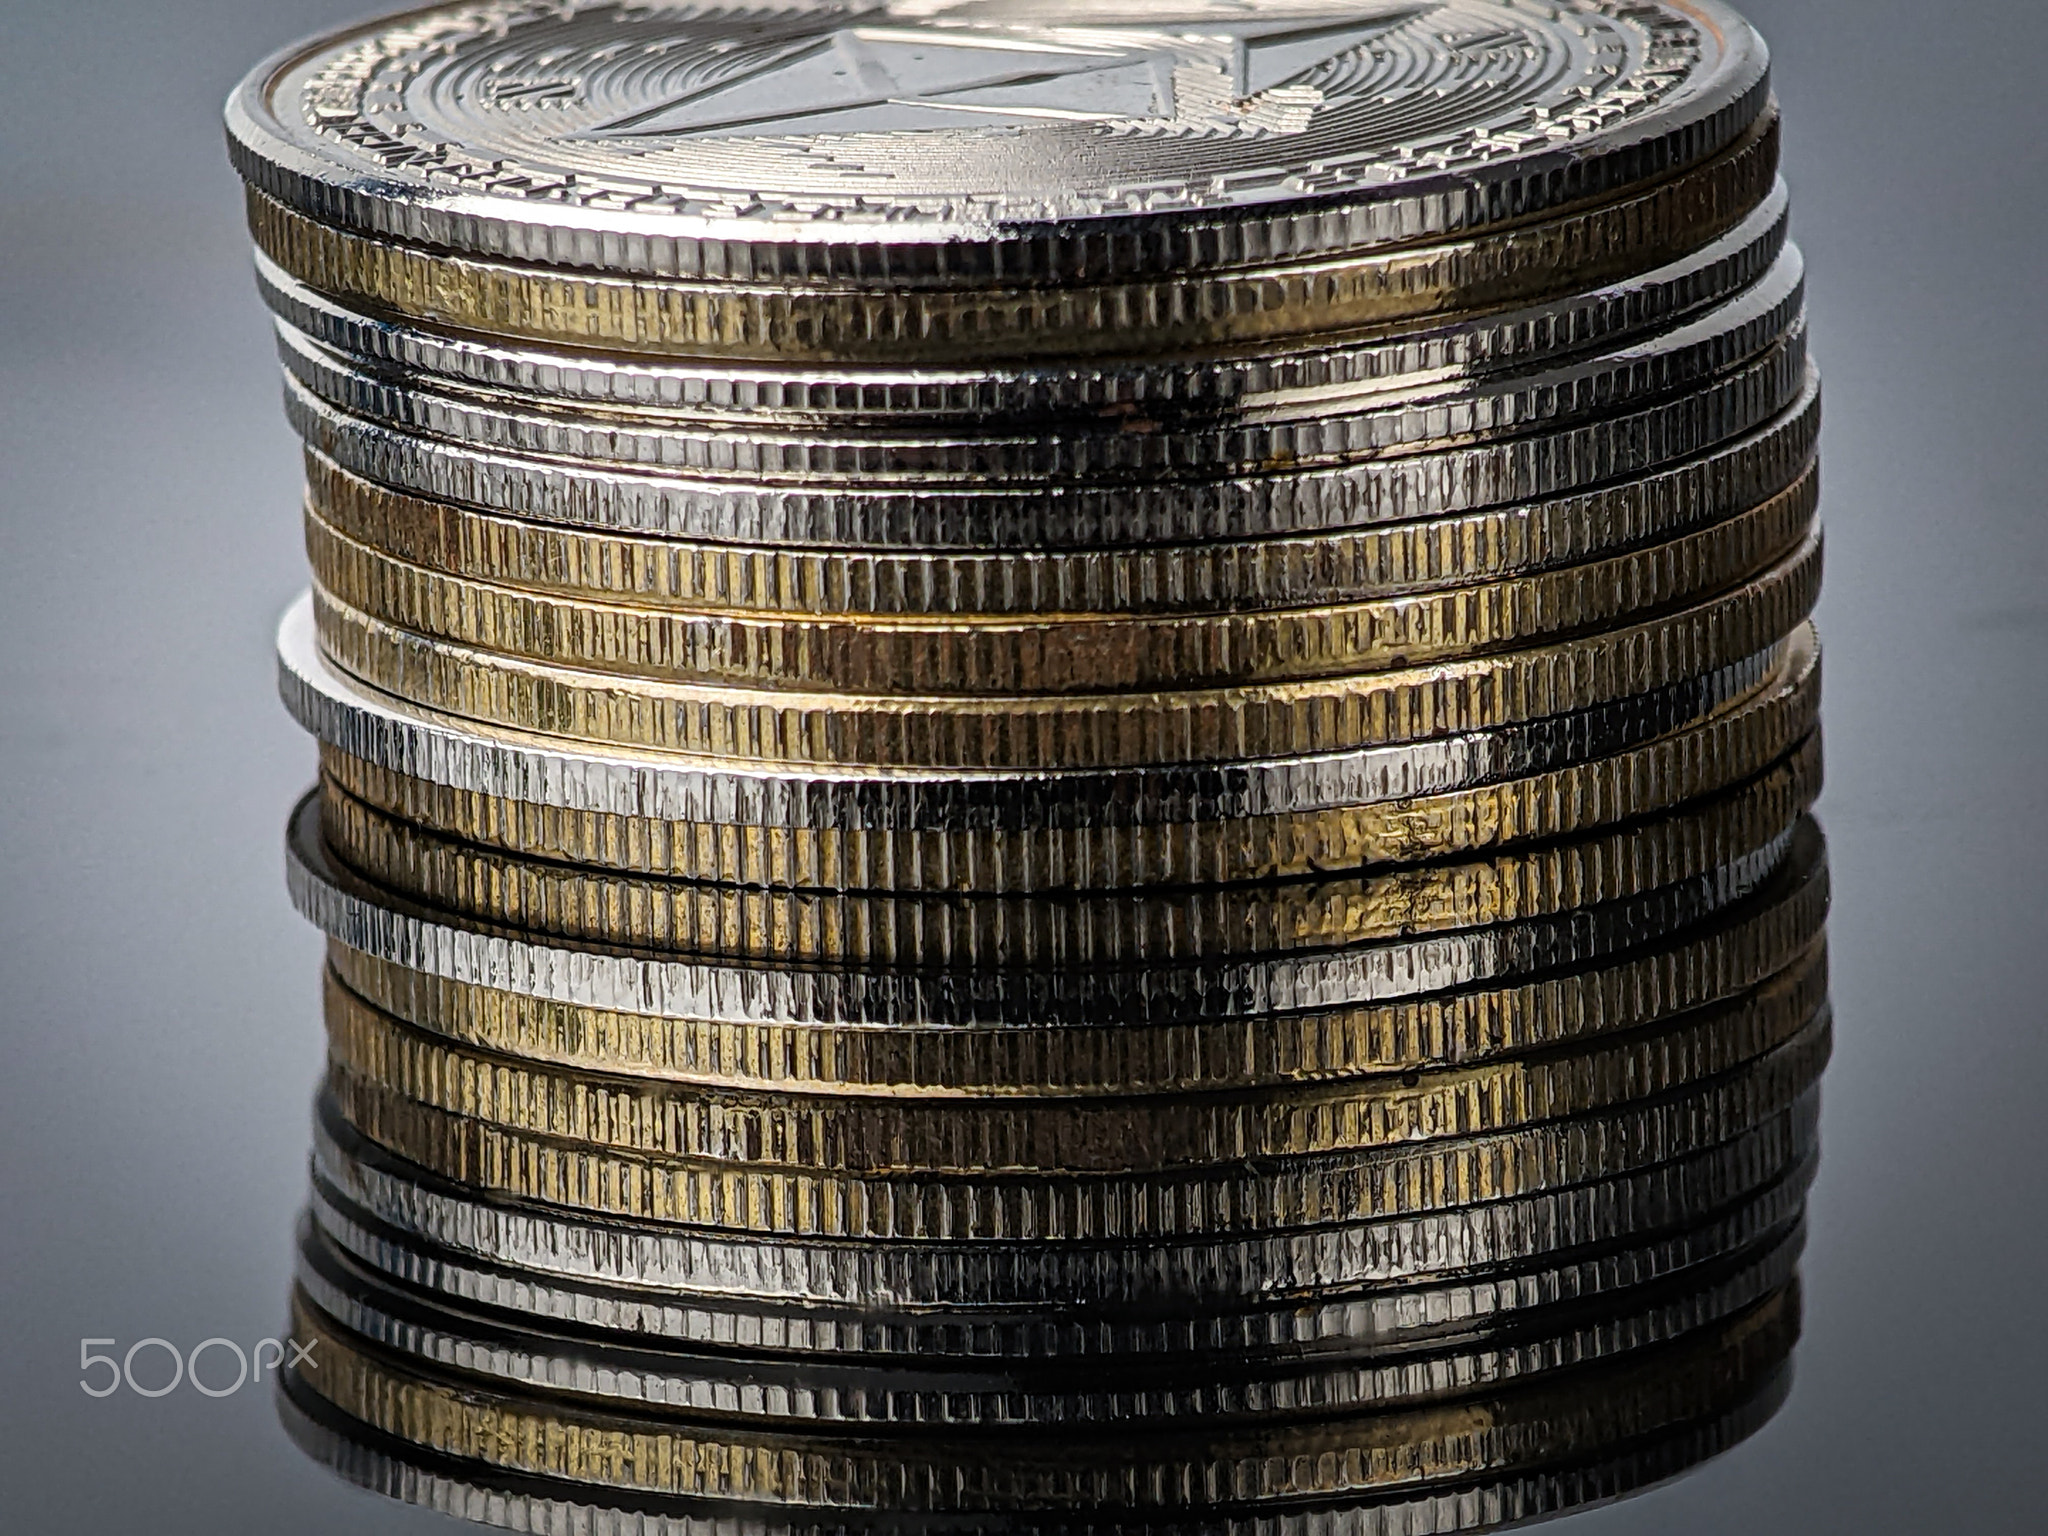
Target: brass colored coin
{"points": [[521, 1354], [935, 656], [1581, 248], [1034, 1283], [1725, 749], [1579, 1010], [966, 1136], [385, 733], [1091, 731], [1244, 575], [1558, 1422], [1157, 387], [766, 1200], [1146, 927]]}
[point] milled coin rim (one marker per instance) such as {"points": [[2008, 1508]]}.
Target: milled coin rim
{"points": [[820, 1391], [1298, 431], [1287, 1312], [1595, 457], [385, 925], [479, 758], [1192, 384], [1194, 1275]]}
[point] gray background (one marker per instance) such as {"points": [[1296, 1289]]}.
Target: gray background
{"points": [[163, 1037]]}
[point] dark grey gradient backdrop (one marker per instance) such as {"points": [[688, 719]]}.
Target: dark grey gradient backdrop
{"points": [[162, 1038]]}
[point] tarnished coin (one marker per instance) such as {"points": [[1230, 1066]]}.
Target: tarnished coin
{"points": [[1298, 430], [965, 1136], [958, 145], [770, 1200], [1079, 731], [937, 656], [1137, 389], [387, 926], [1558, 1420], [1746, 829], [951, 1289], [523, 1355]]}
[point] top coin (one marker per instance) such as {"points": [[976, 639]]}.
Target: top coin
{"points": [[965, 143]]}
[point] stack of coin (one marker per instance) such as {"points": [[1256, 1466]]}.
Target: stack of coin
{"points": [[1064, 751]]}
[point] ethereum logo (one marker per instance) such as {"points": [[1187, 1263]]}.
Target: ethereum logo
{"points": [[884, 79]]}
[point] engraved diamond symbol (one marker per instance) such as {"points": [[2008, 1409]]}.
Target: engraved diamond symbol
{"points": [[881, 79]]}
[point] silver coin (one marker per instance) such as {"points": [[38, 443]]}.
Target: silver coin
{"points": [[1122, 391], [388, 927], [977, 143], [404, 738], [489, 1249], [1647, 440], [524, 1356], [1070, 1327], [1305, 431]]}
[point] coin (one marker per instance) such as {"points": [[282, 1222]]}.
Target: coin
{"points": [[1293, 1310], [1112, 388], [517, 1354], [913, 928], [1559, 1420], [387, 926], [1247, 575], [1576, 459], [1775, 930], [1702, 760], [1089, 731], [966, 1136], [474, 757], [935, 656], [954, 1290], [721, 318], [579, 136], [771, 1200], [1296, 430]]}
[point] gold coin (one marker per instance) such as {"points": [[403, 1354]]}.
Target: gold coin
{"points": [[1080, 731], [966, 1136], [818, 323], [1578, 1011], [1052, 655], [1142, 927], [1560, 1421], [1723, 750], [768, 1200]]}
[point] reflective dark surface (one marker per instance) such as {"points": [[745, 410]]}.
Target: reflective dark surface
{"points": [[164, 1042]]}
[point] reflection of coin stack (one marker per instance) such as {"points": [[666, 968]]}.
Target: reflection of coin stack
{"points": [[1064, 756]]}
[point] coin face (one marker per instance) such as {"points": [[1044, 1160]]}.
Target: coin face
{"points": [[816, 127]]}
